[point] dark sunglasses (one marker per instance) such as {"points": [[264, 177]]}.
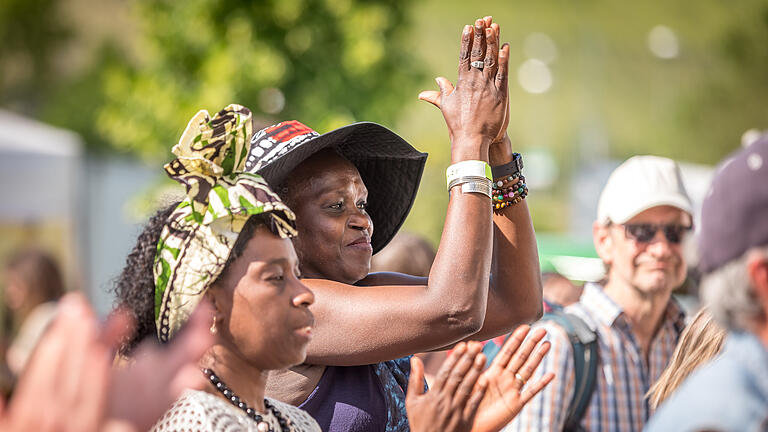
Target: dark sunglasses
{"points": [[644, 233]]}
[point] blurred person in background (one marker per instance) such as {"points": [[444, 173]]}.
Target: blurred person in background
{"points": [[701, 340], [407, 253], [558, 290], [730, 393], [33, 286], [643, 216]]}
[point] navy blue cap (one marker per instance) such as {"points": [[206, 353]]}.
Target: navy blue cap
{"points": [[734, 215]]}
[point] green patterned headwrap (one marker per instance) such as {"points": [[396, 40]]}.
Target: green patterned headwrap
{"points": [[199, 235]]}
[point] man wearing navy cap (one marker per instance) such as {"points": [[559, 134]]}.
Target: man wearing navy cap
{"points": [[731, 392]]}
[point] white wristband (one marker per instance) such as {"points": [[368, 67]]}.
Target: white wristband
{"points": [[468, 168]]}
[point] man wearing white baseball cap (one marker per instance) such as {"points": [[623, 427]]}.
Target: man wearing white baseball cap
{"points": [[643, 215]]}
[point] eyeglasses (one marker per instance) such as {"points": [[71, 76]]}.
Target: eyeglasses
{"points": [[644, 233]]}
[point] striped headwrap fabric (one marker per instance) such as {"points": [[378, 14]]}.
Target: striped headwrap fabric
{"points": [[200, 233]]}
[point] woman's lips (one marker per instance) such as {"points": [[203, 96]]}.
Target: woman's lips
{"points": [[363, 244], [305, 332]]}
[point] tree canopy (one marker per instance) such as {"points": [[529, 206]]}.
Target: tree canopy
{"points": [[325, 63]]}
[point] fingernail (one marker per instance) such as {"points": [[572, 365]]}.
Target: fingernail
{"points": [[479, 24], [467, 29], [488, 32]]}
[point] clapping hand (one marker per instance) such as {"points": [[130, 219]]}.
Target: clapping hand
{"points": [[450, 405], [505, 382], [475, 110]]}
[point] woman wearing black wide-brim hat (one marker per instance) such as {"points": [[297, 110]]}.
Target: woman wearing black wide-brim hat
{"points": [[351, 190]]}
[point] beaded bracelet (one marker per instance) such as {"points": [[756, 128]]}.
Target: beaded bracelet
{"points": [[508, 191]]}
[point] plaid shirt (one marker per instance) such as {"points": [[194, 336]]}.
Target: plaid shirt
{"points": [[623, 376]]}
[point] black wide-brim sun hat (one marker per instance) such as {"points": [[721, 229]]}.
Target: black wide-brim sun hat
{"points": [[390, 167]]}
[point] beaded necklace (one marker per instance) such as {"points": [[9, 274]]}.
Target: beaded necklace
{"points": [[262, 425]]}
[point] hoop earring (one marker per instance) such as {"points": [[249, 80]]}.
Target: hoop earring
{"points": [[213, 326]]}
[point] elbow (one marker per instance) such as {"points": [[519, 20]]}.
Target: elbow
{"points": [[535, 306], [463, 323], [531, 308], [537, 311]]}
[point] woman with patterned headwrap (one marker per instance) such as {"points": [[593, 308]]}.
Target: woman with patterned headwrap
{"points": [[227, 242]]}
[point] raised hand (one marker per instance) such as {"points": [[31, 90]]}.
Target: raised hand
{"points": [[505, 380], [500, 151], [503, 58], [475, 110], [450, 405]]}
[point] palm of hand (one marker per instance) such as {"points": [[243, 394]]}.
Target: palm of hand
{"points": [[504, 380], [503, 392]]}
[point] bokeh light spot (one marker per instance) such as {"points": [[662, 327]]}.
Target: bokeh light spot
{"points": [[534, 76], [663, 43]]}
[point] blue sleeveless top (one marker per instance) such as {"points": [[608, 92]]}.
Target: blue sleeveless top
{"points": [[361, 398]]}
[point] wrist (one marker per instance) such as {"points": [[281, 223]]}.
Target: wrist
{"points": [[500, 152], [458, 155], [469, 148]]}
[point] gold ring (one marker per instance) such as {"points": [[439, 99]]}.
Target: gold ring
{"points": [[520, 378]]}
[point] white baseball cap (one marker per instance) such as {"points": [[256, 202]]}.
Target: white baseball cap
{"points": [[640, 183]]}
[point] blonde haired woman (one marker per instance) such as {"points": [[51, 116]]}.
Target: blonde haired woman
{"points": [[701, 340]]}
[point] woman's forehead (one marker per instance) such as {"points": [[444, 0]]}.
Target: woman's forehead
{"points": [[264, 246], [324, 172]]}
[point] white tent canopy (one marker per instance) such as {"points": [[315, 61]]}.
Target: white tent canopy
{"points": [[39, 167]]}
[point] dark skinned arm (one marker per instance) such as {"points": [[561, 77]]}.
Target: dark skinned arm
{"points": [[515, 293], [356, 325]]}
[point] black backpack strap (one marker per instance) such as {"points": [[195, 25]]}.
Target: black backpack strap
{"points": [[585, 358]]}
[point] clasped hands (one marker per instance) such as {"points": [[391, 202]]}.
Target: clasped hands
{"points": [[476, 110]]}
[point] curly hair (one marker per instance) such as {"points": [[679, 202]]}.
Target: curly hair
{"points": [[135, 287]]}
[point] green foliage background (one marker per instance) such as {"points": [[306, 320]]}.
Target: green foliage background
{"points": [[155, 63]]}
